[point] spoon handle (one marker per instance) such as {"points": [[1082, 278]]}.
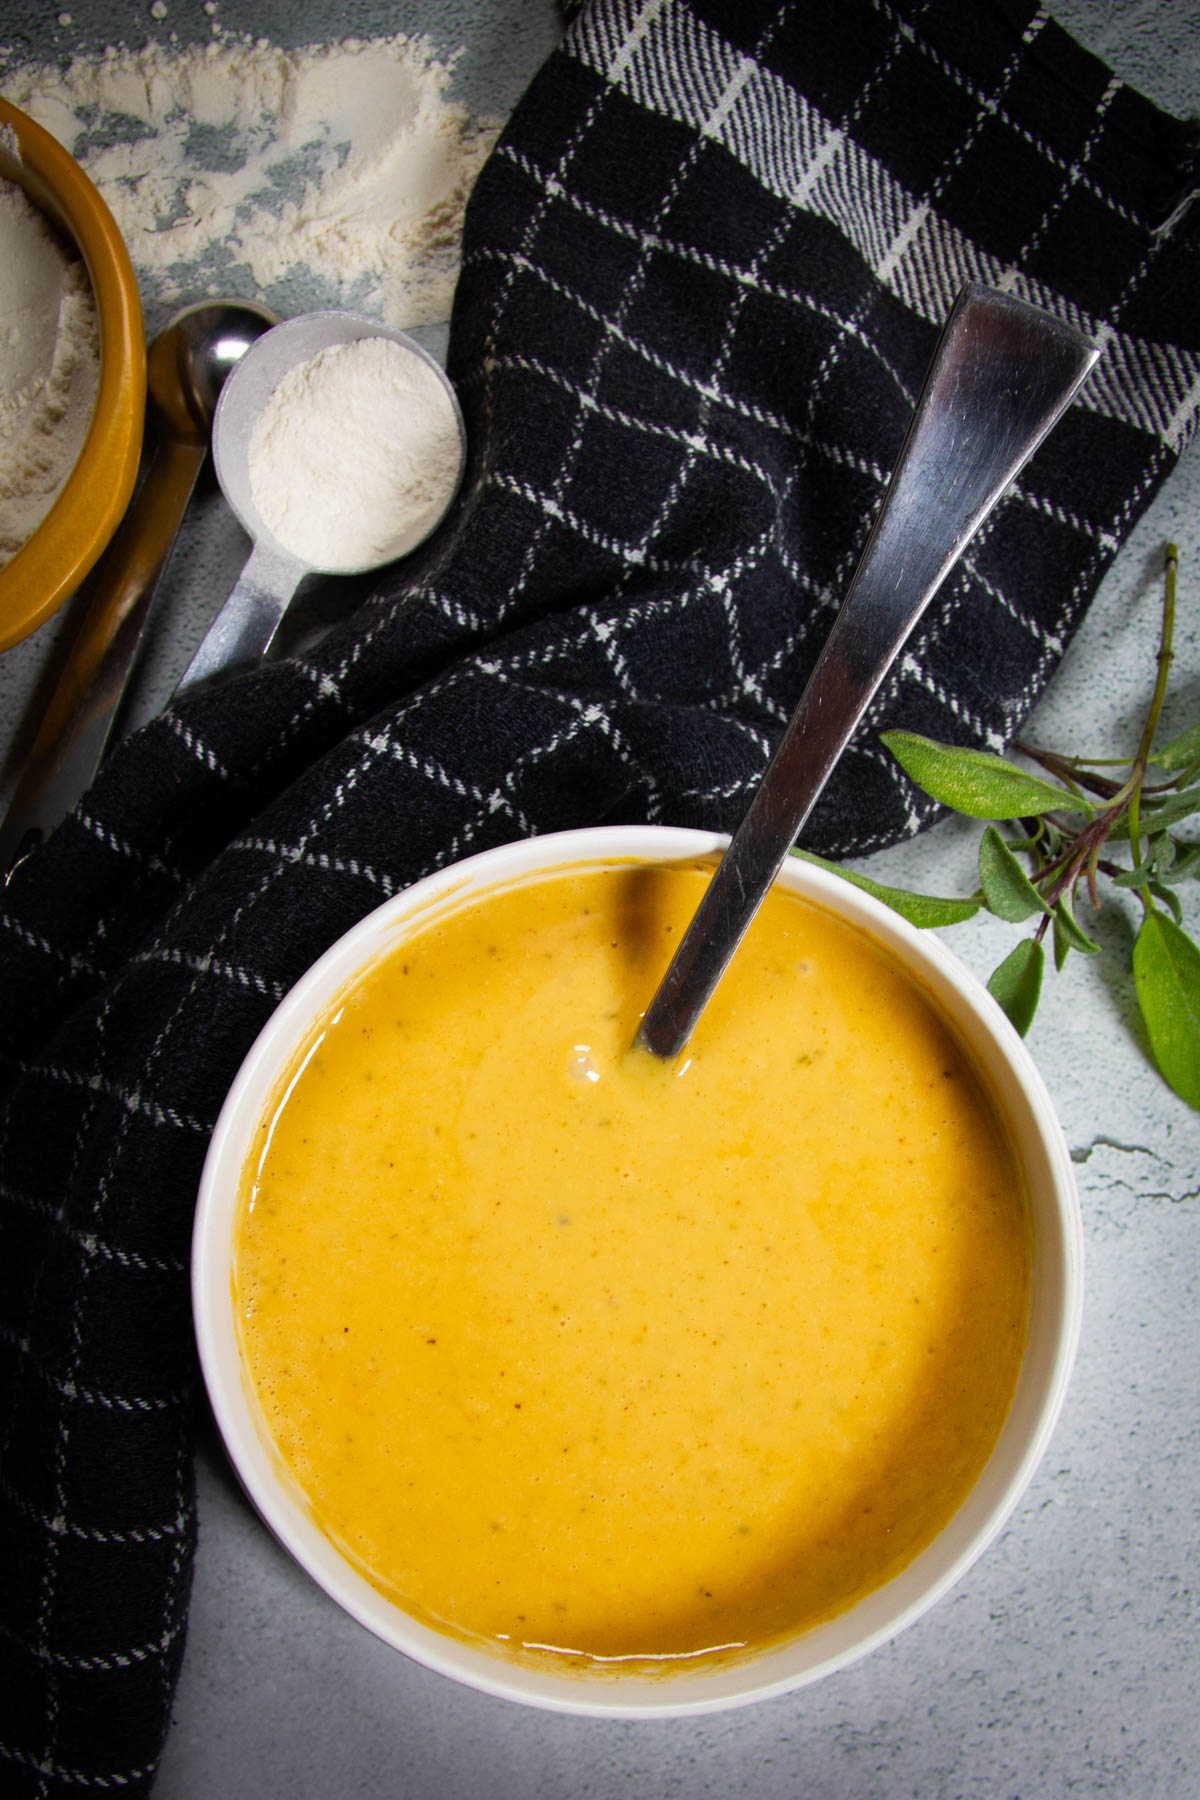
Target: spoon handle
{"points": [[243, 630], [75, 728], [1002, 374]]}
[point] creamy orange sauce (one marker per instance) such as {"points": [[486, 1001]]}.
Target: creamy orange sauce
{"points": [[589, 1356]]}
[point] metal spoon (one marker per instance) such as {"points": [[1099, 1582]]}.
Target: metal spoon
{"points": [[186, 368], [244, 628], [1002, 374]]}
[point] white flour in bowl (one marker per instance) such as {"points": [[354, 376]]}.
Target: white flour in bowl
{"points": [[356, 455], [332, 175], [49, 365]]}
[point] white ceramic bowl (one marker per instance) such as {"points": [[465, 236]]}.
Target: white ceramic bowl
{"points": [[1055, 1302]]}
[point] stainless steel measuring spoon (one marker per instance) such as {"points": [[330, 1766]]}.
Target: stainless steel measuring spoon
{"points": [[1001, 376], [245, 626]]}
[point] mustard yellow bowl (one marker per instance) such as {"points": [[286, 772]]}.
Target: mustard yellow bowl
{"points": [[49, 566]]}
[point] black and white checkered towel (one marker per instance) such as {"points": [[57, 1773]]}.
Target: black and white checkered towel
{"points": [[703, 273]]}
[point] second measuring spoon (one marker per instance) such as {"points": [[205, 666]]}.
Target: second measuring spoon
{"points": [[287, 366], [187, 367]]}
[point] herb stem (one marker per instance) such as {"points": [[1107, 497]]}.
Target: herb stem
{"points": [[1139, 801], [1070, 770], [1165, 657]]}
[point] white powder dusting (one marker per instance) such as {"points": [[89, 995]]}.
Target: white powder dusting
{"points": [[49, 365], [356, 455], [332, 175]]}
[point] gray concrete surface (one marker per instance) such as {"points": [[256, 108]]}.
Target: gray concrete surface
{"points": [[1067, 1662]]}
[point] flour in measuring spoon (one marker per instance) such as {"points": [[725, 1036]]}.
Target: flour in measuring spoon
{"points": [[356, 455]]}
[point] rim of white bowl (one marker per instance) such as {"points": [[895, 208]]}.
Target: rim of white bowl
{"points": [[1054, 1319]]}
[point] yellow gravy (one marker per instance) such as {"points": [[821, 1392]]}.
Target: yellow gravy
{"points": [[592, 1357]]}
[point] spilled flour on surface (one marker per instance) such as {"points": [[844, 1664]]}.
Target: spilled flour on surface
{"points": [[332, 175]]}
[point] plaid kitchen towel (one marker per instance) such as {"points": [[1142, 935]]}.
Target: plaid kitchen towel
{"points": [[703, 273]]}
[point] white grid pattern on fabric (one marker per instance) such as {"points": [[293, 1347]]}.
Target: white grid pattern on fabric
{"points": [[58, 1525], [746, 410], [836, 175], [1144, 384], [91, 1243]]}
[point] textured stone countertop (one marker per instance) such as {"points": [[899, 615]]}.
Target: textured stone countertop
{"points": [[1068, 1659]]}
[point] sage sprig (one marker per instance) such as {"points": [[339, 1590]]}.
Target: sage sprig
{"points": [[1067, 817]]}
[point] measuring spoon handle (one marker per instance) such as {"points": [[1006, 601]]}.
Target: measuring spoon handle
{"points": [[75, 728], [1002, 374], [243, 630]]}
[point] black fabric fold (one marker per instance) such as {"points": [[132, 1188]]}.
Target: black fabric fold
{"points": [[703, 273]]}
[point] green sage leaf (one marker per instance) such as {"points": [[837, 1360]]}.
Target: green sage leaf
{"points": [[1187, 862], [1007, 889], [1134, 878], [1160, 850], [975, 782], [1062, 948], [1169, 897], [923, 910], [1166, 977], [1017, 983], [1180, 753], [1068, 927], [1159, 815]]}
